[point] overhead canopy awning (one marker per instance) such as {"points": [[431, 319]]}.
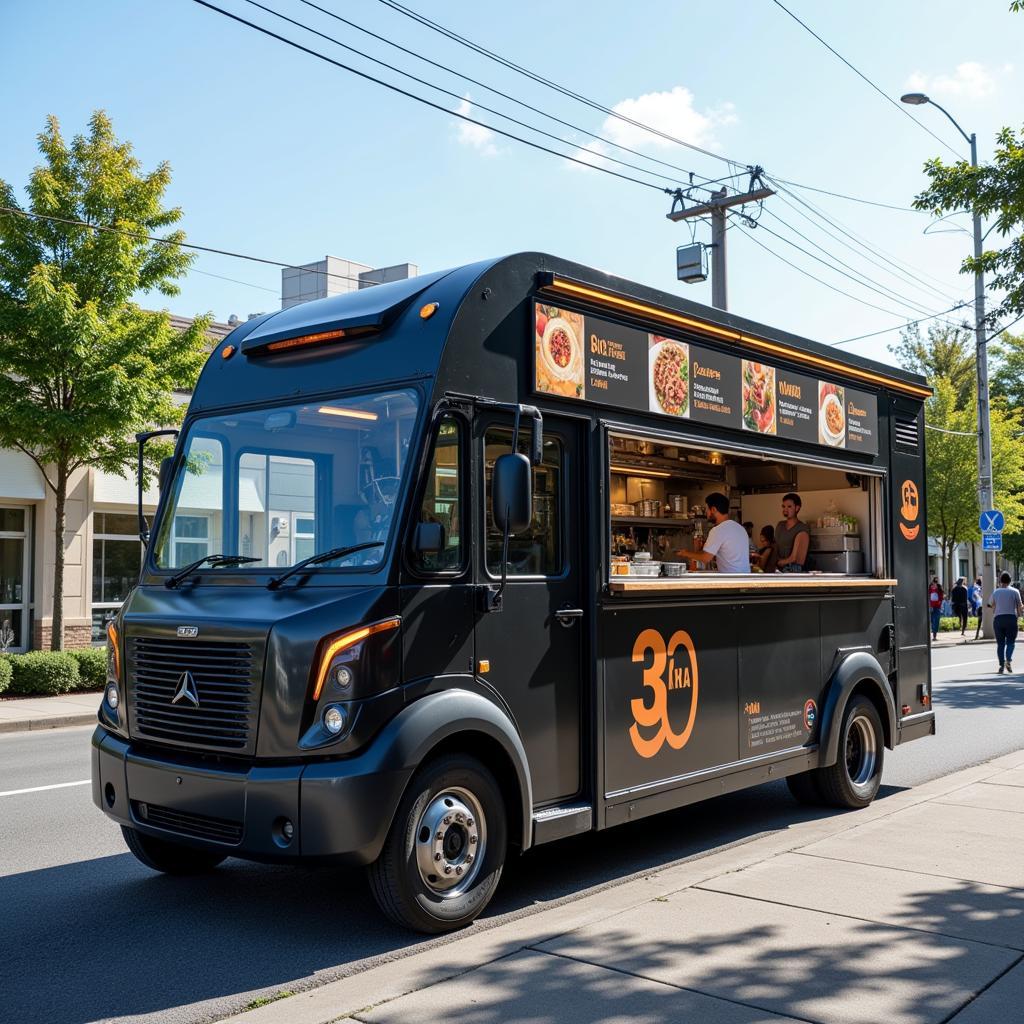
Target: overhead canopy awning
{"points": [[20, 479]]}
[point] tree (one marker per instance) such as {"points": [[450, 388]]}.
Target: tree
{"points": [[82, 366], [1007, 379], [948, 352], [993, 190], [951, 469]]}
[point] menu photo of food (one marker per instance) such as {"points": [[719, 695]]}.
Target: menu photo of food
{"points": [[831, 415], [669, 364], [758, 397], [558, 359]]}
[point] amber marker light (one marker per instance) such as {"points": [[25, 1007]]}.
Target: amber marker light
{"points": [[427, 311], [227, 351], [305, 339], [344, 642], [354, 414], [112, 639]]}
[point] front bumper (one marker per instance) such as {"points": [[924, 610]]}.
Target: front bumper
{"points": [[339, 810]]}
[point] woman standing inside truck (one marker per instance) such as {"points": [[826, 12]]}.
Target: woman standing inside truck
{"points": [[792, 536]]}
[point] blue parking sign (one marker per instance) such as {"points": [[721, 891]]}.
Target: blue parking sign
{"points": [[991, 521]]}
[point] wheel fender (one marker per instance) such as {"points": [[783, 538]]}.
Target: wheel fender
{"points": [[856, 668], [430, 720]]}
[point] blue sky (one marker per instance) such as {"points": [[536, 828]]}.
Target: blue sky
{"points": [[282, 156]]}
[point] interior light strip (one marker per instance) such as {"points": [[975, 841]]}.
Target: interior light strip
{"points": [[563, 286], [355, 414]]}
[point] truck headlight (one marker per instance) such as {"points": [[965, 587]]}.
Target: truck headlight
{"points": [[332, 648], [334, 719], [113, 698], [113, 653]]}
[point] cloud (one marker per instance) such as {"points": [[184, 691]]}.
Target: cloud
{"points": [[672, 113], [593, 153], [970, 80], [476, 136]]}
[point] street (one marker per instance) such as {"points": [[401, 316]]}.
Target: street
{"points": [[89, 934]]}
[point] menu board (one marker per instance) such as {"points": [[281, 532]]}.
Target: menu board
{"points": [[583, 357]]}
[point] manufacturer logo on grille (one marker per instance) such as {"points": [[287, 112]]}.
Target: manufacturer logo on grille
{"points": [[186, 690], [188, 631]]}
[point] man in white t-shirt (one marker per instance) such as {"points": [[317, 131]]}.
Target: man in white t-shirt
{"points": [[727, 541]]}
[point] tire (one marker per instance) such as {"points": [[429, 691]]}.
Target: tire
{"points": [[804, 787], [403, 878], [853, 781], [170, 858]]}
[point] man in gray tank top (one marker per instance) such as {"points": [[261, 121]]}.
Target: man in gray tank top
{"points": [[1007, 608], [792, 536]]}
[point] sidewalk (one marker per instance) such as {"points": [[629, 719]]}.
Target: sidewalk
{"points": [[21, 713], [909, 912]]}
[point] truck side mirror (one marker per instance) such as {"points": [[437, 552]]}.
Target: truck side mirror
{"points": [[428, 539], [512, 487], [165, 473]]}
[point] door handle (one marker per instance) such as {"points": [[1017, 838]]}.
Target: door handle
{"points": [[567, 616]]}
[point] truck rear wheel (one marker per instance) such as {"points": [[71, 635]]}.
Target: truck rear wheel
{"points": [[804, 787], [170, 858], [443, 856], [854, 779]]}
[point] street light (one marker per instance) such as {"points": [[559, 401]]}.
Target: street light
{"points": [[985, 492]]}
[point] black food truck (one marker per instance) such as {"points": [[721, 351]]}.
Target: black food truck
{"points": [[428, 581]]}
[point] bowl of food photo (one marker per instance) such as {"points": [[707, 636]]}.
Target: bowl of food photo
{"points": [[560, 349], [832, 416], [669, 381]]}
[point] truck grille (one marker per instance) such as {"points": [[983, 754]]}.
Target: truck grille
{"points": [[186, 823], [224, 678]]}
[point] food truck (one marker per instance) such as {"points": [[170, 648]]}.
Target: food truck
{"points": [[429, 582]]}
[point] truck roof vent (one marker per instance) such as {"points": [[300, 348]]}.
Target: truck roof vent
{"points": [[907, 432]]}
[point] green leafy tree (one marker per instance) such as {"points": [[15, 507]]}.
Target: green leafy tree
{"points": [[996, 192], [947, 352], [82, 365], [951, 469], [1007, 379]]}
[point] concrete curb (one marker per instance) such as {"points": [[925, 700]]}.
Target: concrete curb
{"points": [[54, 722], [440, 960]]}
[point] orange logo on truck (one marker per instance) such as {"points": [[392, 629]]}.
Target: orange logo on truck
{"points": [[909, 510], [672, 669]]}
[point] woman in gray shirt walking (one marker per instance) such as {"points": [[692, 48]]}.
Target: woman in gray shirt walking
{"points": [[1006, 607]]}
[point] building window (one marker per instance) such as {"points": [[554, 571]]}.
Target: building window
{"points": [[15, 576], [116, 560], [964, 568], [190, 539]]}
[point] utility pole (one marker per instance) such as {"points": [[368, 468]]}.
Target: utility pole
{"points": [[715, 207]]}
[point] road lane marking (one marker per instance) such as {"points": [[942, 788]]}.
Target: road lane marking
{"points": [[40, 789], [961, 664]]}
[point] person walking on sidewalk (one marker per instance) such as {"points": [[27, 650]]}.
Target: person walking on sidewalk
{"points": [[974, 597], [1006, 610], [935, 599], [958, 598]]}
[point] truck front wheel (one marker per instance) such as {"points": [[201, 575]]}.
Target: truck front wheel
{"points": [[854, 779], [170, 858], [443, 856]]}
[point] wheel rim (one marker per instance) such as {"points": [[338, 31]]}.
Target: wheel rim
{"points": [[861, 754], [451, 838]]}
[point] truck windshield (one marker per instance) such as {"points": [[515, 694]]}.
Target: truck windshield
{"points": [[284, 483]]}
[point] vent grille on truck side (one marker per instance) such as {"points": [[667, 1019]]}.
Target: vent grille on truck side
{"points": [[906, 432], [223, 680]]}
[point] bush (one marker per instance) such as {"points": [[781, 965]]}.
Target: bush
{"points": [[92, 667], [41, 673], [951, 624], [5, 673]]}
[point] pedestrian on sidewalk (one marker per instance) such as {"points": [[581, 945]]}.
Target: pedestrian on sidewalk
{"points": [[958, 598], [935, 599], [1007, 608], [974, 597]]}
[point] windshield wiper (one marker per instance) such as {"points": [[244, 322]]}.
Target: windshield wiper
{"points": [[324, 556], [214, 561]]}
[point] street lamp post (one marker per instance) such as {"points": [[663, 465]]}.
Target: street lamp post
{"points": [[985, 491]]}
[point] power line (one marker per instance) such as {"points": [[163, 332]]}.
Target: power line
{"points": [[498, 92], [852, 199], [807, 273], [422, 99], [478, 48], [860, 74], [459, 96], [867, 282], [902, 326], [140, 236], [233, 280]]}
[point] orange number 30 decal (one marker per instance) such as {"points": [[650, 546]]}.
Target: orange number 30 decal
{"points": [[662, 675]]}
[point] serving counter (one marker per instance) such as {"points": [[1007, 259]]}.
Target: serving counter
{"points": [[718, 583]]}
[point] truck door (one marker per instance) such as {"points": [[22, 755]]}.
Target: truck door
{"points": [[534, 645], [909, 532]]}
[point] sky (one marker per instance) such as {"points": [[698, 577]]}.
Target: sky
{"points": [[277, 154]]}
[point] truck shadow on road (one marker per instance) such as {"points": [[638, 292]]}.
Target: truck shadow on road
{"points": [[992, 691], [107, 938]]}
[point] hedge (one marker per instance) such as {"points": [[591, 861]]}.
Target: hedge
{"points": [[43, 673], [92, 667], [5, 673]]}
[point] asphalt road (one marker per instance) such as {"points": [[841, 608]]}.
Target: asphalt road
{"points": [[88, 934]]}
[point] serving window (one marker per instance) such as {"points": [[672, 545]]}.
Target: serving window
{"points": [[659, 521]]}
